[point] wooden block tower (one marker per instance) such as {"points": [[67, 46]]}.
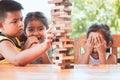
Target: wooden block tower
{"points": [[60, 15]]}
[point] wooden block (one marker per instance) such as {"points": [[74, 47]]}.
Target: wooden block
{"points": [[68, 46], [61, 57], [66, 39], [64, 21], [50, 2], [56, 43], [67, 57], [64, 63], [58, 8], [62, 51], [60, 34], [67, 10], [57, 58], [60, 25], [58, 31], [58, 18], [64, 27], [65, 3], [65, 16], [58, 1], [67, 29], [55, 1], [55, 13], [63, 67]]}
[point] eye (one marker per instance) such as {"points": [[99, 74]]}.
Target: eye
{"points": [[40, 28], [14, 22], [30, 29]]}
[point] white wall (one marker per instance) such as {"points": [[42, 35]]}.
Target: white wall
{"points": [[36, 5]]}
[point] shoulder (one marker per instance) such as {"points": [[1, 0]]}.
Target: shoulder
{"points": [[5, 43], [4, 38], [112, 59]]}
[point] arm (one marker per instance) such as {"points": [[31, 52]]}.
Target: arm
{"points": [[101, 47], [26, 56], [88, 50], [46, 59], [31, 42]]}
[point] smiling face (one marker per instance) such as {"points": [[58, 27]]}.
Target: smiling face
{"points": [[36, 28], [12, 25]]}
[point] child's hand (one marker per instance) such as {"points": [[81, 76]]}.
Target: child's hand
{"points": [[31, 41], [49, 38], [89, 45], [100, 44]]}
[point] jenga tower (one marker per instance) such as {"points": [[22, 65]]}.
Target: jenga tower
{"points": [[61, 21]]}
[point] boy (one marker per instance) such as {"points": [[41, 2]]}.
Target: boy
{"points": [[11, 27]]}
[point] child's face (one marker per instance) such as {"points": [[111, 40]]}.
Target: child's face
{"points": [[36, 28], [99, 44], [12, 25]]}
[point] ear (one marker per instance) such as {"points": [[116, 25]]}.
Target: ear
{"points": [[109, 44]]}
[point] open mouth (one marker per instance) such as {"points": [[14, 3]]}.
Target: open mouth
{"points": [[95, 52], [95, 55]]}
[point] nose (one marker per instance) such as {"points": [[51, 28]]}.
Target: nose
{"points": [[36, 33], [21, 24]]}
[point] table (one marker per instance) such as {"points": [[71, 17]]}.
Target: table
{"points": [[48, 72]]}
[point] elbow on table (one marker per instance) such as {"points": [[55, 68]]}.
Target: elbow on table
{"points": [[17, 62]]}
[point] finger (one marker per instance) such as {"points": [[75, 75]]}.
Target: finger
{"points": [[92, 41], [97, 40], [102, 39]]}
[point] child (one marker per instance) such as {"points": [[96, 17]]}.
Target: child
{"points": [[11, 26], [35, 25], [99, 40]]}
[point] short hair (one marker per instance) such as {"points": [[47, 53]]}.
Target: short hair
{"points": [[35, 16], [8, 6]]}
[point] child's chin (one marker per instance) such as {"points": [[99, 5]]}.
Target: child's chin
{"points": [[95, 56]]}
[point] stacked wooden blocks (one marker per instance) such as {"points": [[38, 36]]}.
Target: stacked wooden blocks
{"points": [[61, 21]]}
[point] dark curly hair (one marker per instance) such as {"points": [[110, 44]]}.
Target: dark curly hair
{"points": [[102, 28]]}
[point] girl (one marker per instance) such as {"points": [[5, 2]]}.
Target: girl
{"points": [[35, 25], [99, 40]]}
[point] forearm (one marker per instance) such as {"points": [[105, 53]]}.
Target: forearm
{"points": [[31, 54], [85, 58], [102, 58], [46, 59]]}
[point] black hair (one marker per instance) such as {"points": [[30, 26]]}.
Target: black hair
{"points": [[102, 28], [8, 6], [35, 16]]}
